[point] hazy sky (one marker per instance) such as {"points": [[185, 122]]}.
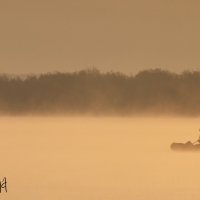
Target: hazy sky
{"points": [[120, 35]]}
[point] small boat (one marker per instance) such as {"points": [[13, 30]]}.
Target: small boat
{"points": [[188, 146]]}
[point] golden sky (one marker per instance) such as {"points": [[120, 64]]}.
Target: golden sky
{"points": [[120, 35]]}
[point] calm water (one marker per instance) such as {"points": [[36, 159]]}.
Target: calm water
{"points": [[98, 158]]}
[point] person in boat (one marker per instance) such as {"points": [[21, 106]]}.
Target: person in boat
{"points": [[198, 139]]}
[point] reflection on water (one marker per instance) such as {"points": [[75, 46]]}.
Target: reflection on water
{"points": [[98, 158]]}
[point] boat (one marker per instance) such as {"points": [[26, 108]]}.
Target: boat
{"points": [[188, 146]]}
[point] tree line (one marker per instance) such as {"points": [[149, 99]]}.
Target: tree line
{"points": [[92, 92]]}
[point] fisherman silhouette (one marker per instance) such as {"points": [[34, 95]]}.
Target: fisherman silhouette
{"points": [[198, 140]]}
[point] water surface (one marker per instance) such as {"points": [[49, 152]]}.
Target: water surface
{"points": [[98, 158]]}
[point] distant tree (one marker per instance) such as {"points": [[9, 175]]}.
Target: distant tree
{"points": [[90, 91]]}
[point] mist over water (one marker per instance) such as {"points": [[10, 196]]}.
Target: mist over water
{"points": [[98, 158]]}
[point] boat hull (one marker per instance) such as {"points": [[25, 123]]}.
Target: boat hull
{"points": [[185, 147]]}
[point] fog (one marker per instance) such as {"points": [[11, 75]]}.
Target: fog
{"points": [[90, 92], [88, 158]]}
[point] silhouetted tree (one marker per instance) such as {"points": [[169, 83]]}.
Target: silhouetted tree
{"points": [[90, 91]]}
